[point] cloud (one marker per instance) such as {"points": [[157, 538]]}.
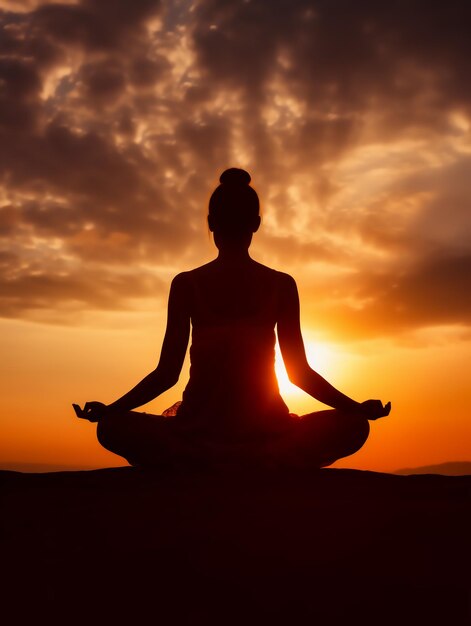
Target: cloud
{"points": [[72, 292], [435, 293], [94, 24], [117, 117]]}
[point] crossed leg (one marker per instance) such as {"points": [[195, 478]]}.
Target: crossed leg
{"points": [[321, 438], [314, 440], [141, 438]]}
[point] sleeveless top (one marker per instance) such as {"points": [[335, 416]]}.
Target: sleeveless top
{"points": [[233, 386]]}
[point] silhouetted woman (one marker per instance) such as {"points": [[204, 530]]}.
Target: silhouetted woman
{"points": [[231, 409]]}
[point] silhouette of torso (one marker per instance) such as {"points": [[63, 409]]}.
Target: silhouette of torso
{"points": [[233, 386]]}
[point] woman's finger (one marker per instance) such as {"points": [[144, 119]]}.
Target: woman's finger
{"points": [[78, 410]]}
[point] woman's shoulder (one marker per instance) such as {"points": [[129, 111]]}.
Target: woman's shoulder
{"points": [[282, 278], [206, 271], [187, 277], [180, 279], [194, 271]]}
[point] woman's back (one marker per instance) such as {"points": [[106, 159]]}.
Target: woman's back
{"points": [[234, 309]]}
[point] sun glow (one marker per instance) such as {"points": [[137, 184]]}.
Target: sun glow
{"points": [[321, 357]]}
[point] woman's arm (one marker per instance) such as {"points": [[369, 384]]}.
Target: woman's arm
{"points": [[168, 370], [299, 371]]}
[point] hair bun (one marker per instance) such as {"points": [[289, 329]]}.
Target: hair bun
{"points": [[235, 177]]}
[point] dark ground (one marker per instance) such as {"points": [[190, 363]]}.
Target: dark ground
{"points": [[295, 547]]}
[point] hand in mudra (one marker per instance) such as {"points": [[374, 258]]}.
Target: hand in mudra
{"points": [[92, 411], [374, 409]]}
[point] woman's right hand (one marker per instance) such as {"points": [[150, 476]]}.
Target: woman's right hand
{"points": [[374, 409], [92, 411]]}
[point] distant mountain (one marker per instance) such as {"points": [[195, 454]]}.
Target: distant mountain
{"points": [[453, 468]]}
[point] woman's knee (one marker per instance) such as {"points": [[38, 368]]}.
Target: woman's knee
{"points": [[103, 433], [359, 432], [110, 432], [131, 435]]}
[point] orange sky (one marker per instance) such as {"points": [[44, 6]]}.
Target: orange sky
{"points": [[116, 120]]}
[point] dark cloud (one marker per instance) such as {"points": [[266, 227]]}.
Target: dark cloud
{"points": [[435, 293], [103, 81], [19, 91], [26, 293], [353, 117], [344, 54], [95, 24]]}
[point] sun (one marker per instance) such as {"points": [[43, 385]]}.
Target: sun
{"points": [[320, 357], [284, 383]]}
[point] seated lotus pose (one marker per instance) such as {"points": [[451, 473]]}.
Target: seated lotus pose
{"points": [[231, 410]]}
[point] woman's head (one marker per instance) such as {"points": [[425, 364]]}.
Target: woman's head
{"points": [[234, 208]]}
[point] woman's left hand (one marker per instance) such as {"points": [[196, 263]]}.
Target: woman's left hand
{"points": [[92, 411], [374, 409]]}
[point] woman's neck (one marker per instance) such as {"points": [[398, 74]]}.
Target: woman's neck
{"points": [[233, 256]]}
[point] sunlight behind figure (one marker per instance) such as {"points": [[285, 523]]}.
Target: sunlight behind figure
{"points": [[322, 357], [232, 411]]}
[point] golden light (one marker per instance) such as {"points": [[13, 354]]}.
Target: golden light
{"points": [[321, 357]]}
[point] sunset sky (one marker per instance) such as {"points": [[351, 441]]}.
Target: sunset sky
{"points": [[353, 118]]}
